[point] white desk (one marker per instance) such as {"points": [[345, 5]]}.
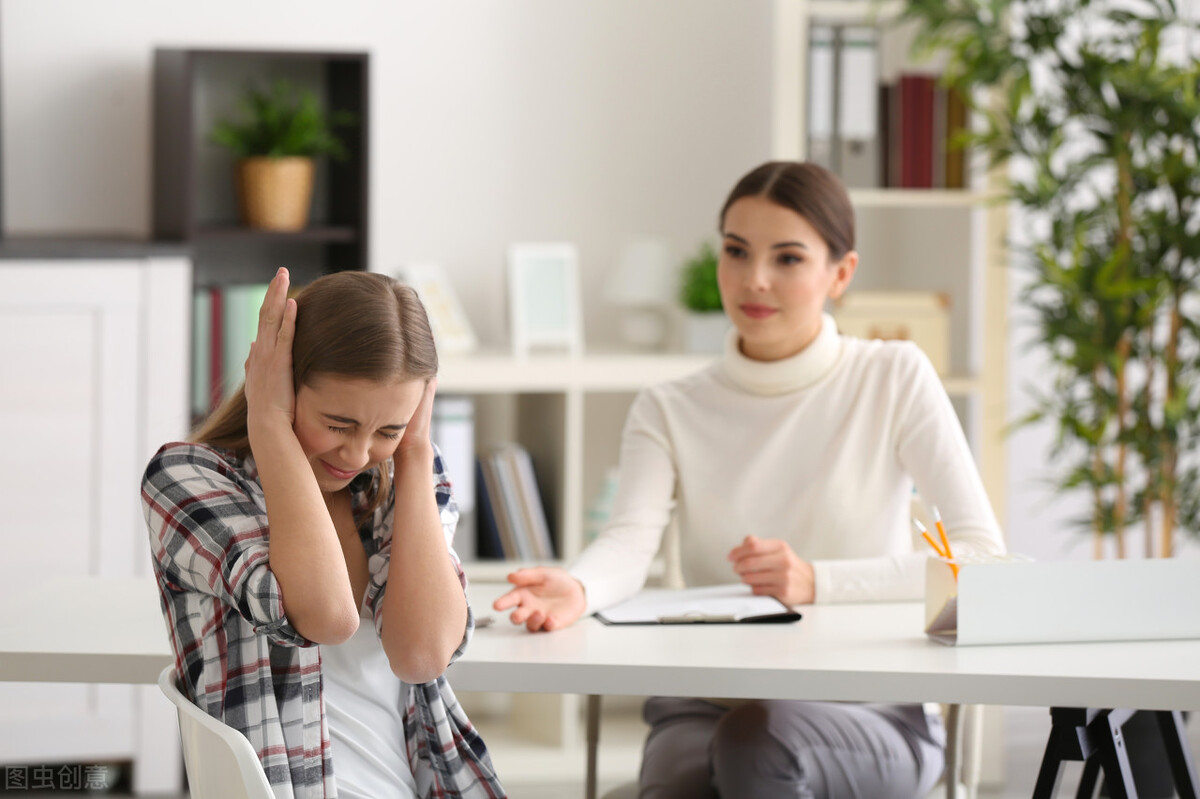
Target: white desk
{"points": [[98, 630], [89, 631], [110, 630], [866, 652]]}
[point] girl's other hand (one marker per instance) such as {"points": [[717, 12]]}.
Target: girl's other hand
{"points": [[543, 598], [416, 433], [770, 568], [270, 392]]}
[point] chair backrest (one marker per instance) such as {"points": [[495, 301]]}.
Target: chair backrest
{"points": [[220, 762]]}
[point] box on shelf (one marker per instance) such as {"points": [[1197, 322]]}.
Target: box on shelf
{"points": [[922, 317]]}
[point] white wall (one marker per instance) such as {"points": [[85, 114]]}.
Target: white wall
{"points": [[493, 121]]}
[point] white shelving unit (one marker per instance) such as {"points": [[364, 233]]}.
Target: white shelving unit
{"points": [[568, 411]]}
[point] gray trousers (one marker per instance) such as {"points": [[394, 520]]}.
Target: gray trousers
{"points": [[776, 749]]}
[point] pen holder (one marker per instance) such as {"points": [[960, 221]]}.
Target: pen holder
{"points": [[1014, 600]]}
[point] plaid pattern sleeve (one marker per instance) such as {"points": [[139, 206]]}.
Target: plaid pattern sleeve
{"points": [[209, 535], [447, 756]]}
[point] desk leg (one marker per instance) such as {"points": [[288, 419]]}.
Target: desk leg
{"points": [[1056, 751], [1105, 731], [1170, 724], [1087, 782], [593, 743], [953, 747]]}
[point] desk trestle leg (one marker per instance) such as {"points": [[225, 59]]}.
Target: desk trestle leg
{"points": [[1096, 737]]}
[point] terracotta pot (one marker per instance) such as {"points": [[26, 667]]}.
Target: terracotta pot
{"points": [[275, 193]]}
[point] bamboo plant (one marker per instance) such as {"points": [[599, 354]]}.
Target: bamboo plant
{"points": [[1095, 109]]}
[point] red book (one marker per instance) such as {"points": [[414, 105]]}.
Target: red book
{"points": [[216, 378], [916, 131]]}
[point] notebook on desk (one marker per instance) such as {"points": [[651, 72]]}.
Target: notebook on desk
{"points": [[716, 604]]}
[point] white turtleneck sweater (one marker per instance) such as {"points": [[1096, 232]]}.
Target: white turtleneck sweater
{"points": [[821, 450]]}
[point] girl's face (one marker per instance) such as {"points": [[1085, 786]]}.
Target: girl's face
{"points": [[775, 274], [347, 425]]}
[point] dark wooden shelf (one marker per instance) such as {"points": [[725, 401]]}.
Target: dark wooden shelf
{"points": [[235, 232], [195, 199]]}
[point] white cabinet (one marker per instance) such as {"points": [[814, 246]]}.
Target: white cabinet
{"points": [[93, 378]]}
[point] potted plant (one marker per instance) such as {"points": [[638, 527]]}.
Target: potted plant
{"points": [[280, 131], [1102, 128], [705, 323]]}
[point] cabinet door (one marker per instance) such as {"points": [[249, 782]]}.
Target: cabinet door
{"points": [[70, 389]]}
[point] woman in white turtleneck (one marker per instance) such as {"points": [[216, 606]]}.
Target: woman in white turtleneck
{"points": [[789, 465]]}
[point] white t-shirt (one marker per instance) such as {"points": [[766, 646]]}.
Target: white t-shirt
{"points": [[366, 720], [821, 450]]}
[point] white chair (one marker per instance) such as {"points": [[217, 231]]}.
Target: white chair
{"points": [[219, 760]]}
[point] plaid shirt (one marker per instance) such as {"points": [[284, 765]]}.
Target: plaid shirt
{"points": [[238, 655]]}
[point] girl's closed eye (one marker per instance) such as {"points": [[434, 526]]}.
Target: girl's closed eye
{"points": [[336, 429], [391, 436]]}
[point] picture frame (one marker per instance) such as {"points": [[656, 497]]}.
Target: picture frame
{"points": [[452, 331], [545, 310]]}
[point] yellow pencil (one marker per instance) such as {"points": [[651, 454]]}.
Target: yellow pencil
{"points": [[937, 522], [928, 538], [941, 528]]}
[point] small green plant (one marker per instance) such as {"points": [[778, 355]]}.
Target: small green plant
{"points": [[698, 290], [281, 121]]}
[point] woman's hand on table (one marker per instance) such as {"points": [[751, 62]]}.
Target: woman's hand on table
{"points": [[771, 568], [543, 598]]}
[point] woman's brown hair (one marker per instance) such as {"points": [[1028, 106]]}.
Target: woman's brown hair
{"points": [[348, 324], [811, 191]]}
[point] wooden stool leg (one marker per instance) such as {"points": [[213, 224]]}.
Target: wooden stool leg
{"points": [[1105, 732], [1170, 724]]}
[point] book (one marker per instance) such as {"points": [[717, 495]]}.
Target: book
{"points": [[201, 353], [915, 130], [498, 506], [821, 95], [488, 539], [856, 127], [733, 603], [452, 429], [239, 329], [532, 509], [216, 349], [956, 124]]}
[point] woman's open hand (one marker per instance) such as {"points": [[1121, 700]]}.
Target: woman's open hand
{"points": [[769, 566], [544, 598], [270, 391]]}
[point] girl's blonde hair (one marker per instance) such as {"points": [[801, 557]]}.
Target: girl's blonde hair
{"points": [[350, 325]]}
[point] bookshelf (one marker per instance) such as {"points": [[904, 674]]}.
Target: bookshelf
{"points": [[194, 198]]}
